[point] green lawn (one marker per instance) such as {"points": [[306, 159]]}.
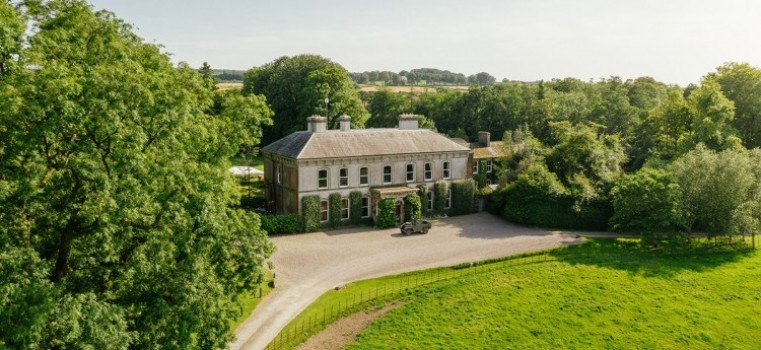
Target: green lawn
{"points": [[255, 161], [605, 294], [248, 300]]}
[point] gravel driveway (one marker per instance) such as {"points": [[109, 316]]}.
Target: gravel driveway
{"points": [[307, 265]]}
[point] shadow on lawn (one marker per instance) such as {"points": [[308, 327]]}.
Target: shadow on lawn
{"points": [[630, 255]]}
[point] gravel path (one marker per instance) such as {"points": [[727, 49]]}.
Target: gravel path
{"points": [[307, 265]]}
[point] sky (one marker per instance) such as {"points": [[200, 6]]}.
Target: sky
{"points": [[673, 41]]}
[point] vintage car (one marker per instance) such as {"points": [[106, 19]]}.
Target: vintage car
{"points": [[417, 226]]}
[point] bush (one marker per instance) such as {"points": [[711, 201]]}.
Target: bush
{"points": [[462, 196], [423, 193], [412, 207], [334, 209], [386, 213], [439, 196], [355, 210], [310, 213], [537, 198], [281, 223]]}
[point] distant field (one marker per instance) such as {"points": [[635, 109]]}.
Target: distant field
{"points": [[415, 89], [227, 86], [710, 300]]}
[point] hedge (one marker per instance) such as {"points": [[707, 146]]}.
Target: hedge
{"points": [[462, 196], [386, 213], [310, 213], [281, 223], [334, 209], [355, 207], [423, 193], [412, 207], [439, 196]]}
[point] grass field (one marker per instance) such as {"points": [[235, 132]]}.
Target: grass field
{"points": [[608, 294], [415, 89]]}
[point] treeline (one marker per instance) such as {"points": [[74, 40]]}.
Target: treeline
{"points": [[228, 75], [421, 76]]}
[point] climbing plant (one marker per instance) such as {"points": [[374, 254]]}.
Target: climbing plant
{"points": [[310, 212], [412, 207], [386, 213], [355, 212], [334, 209]]}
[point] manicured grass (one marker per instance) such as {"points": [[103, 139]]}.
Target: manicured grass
{"points": [[248, 301], [605, 294]]}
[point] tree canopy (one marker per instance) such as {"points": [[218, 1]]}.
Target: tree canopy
{"points": [[296, 87], [119, 227]]}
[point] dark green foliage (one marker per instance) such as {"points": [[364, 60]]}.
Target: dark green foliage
{"points": [[412, 207], [462, 196], [355, 210], [538, 198], [647, 202], [310, 213], [386, 213], [439, 197], [423, 194], [119, 226], [481, 176], [282, 223], [334, 209]]}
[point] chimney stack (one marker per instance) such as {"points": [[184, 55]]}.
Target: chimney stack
{"points": [[408, 122], [484, 138], [317, 123], [345, 122]]}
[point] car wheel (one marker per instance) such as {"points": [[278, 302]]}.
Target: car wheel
{"points": [[425, 231], [408, 232]]}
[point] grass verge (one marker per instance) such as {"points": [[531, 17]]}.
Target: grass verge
{"points": [[247, 301]]}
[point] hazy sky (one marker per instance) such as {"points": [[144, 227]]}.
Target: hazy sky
{"points": [[672, 41]]}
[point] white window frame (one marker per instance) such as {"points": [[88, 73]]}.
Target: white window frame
{"points": [[326, 211], [390, 174], [446, 170], [365, 177], [430, 200], [279, 174], [488, 182], [343, 179], [365, 204], [489, 166], [320, 179], [345, 209], [475, 166], [428, 171], [409, 174], [448, 203]]}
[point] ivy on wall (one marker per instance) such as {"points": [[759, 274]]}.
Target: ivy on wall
{"points": [[334, 209], [423, 193], [462, 196], [412, 207], [310, 212], [439, 196], [355, 207], [386, 213]]}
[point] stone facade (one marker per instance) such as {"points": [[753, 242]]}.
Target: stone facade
{"points": [[396, 163]]}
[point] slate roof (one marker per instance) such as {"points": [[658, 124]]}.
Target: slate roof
{"points": [[361, 143]]}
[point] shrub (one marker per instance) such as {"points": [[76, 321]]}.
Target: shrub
{"points": [[281, 223], [439, 196], [412, 207], [334, 209], [310, 213], [386, 213], [355, 204], [481, 176], [462, 196]]}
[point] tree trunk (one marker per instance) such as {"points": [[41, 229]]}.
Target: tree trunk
{"points": [[64, 251]]}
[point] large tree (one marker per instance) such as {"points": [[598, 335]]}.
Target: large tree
{"points": [[296, 87], [741, 83], [118, 222]]}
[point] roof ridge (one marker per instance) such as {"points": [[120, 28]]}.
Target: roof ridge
{"points": [[306, 145]]}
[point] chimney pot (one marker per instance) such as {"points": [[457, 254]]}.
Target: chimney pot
{"points": [[345, 122], [484, 138], [408, 122], [317, 123]]}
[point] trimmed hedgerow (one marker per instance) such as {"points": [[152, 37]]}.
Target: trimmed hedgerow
{"points": [[439, 196], [412, 207], [355, 207], [310, 213], [462, 196], [334, 209], [281, 223], [386, 213]]}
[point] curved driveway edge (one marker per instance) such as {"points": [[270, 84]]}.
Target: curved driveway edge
{"points": [[307, 265]]}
